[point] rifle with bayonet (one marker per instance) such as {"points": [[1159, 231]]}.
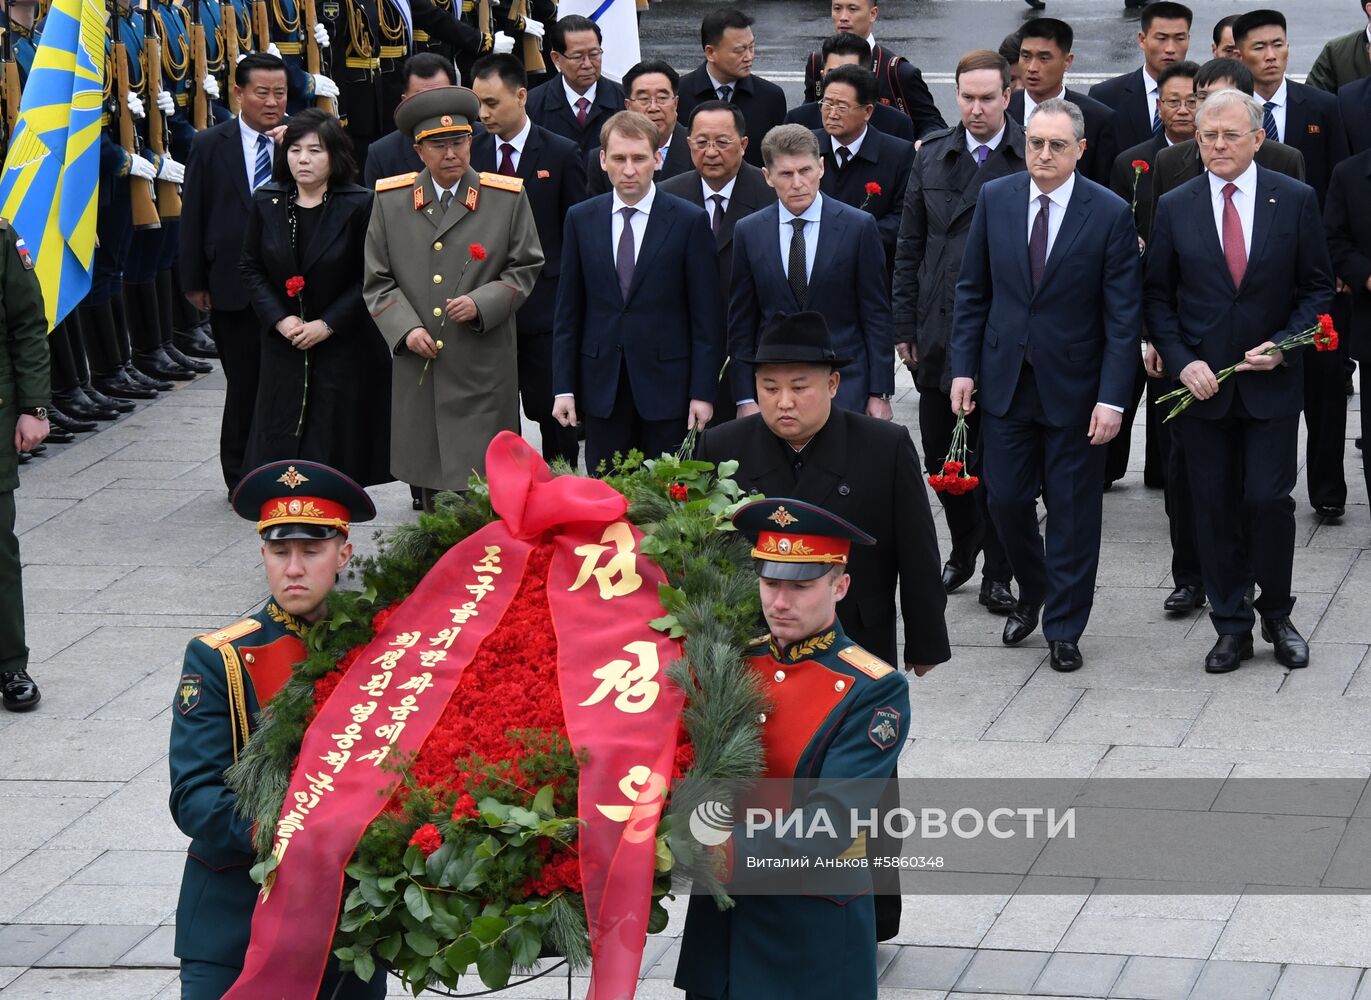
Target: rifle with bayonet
{"points": [[229, 15], [159, 134], [314, 63], [199, 69], [140, 190], [261, 26], [532, 47], [9, 88]]}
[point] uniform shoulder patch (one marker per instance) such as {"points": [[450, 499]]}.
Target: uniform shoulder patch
{"points": [[873, 666], [502, 181], [884, 729], [188, 693], [398, 181], [233, 632]]}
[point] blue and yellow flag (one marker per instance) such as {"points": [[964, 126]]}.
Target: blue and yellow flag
{"points": [[48, 191]]}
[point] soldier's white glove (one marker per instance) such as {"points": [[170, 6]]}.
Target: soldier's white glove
{"points": [[170, 170], [534, 28], [141, 167], [136, 106], [241, 57], [272, 50], [211, 86], [504, 45], [321, 36], [166, 103], [324, 87]]}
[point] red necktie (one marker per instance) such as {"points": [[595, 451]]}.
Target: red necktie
{"points": [[507, 158], [1234, 252], [582, 106]]}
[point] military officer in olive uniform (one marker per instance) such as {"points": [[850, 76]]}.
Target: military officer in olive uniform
{"points": [[837, 712], [303, 512], [24, 391], [446, 312]]}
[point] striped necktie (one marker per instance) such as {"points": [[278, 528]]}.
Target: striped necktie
{"points": [[262, 172], [1269, 121]]}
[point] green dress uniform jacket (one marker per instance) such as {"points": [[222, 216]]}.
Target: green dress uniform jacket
{"points": [[1342, 60], [836, 712], [24, 373], [417, 257]]}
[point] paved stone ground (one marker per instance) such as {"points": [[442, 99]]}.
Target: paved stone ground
{"points": [[130, 549]]}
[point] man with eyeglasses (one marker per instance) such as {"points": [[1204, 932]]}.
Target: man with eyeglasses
{"points": [[577, 100], [1048, 339], [845, 49], [1176, 103], [651, 87], [1164, 38], [726, 75], [1227, 295], [862, 167]]}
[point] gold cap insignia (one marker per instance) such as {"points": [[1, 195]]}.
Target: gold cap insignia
{"points": [[445, 120], [783, 517], [295, 506], [292, 478]]}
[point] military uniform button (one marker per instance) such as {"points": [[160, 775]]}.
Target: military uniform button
{"points": [[780, 676], [841, 685], [437, 311], [438, 245], [249, 657], [761, 717], [437, 279]]}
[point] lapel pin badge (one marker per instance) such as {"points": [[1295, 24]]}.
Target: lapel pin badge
{"points": [[543, 175], [844, 489]]}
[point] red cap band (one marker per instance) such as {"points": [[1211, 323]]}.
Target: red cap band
{"points": [[303, 510], [777, 546]]}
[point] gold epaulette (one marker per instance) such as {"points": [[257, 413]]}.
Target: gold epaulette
{"points": [[502, 181], [226, 635], [873, 666], [398, 181]]}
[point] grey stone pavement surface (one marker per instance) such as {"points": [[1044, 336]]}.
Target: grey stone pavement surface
{"points": [[130, 549]]}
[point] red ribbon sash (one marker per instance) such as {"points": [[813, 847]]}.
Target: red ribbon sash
{"points": [[619, 707]]}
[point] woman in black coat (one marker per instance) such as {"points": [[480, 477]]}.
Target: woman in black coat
{"points": [[324, 393]]}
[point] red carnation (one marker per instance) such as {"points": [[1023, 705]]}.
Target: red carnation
{"points": [[476, 251], [1326, 325], [972, 482], [677, 491], [873, 189], [952, 468], [295, 285], [465, 807], [939, 483], [427, 839], [1140, 166]]}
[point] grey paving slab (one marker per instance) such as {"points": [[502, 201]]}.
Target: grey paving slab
{"points": [[27, 943], [986, 665], [1345, 620], [1133, 898], [44, 816], [94, 946], [1132, 612], [135, 817], [957, 711], [133, 867], [1040, 914], [1349, 867], [1034, 714], [1166, 937], [180, 590], [946, 920], [36, 875], [993, 971], [154, 950], [8, 974], [930, 758], [1080, 975], [1303, 930], [1236, 981], [93, 751], [96, 904], [1157, 979], [928, 968], [1241, 720], [1316, 982], [108, 984], [1336, 664], [1124, 662], [36, 511]]}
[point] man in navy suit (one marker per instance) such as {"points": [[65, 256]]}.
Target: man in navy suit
{"points": [[1050, 343], [577, 100], [1164, 39], [1044, 57], [811, 252], [846, 49], [1239, 262], [638, 334], [862, 167], [1307, 119], [554, 180]]}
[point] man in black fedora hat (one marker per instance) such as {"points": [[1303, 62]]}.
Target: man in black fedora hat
{"points": [[860, 468]]}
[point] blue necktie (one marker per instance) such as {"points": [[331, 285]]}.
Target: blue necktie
{"points": [[1269, 122], [982, 152], [1157, 120], [263, 172]]}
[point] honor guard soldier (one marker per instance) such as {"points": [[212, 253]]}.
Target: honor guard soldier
{"points": [[24, 390], [425, 287], [836, 713], [303, 512]]}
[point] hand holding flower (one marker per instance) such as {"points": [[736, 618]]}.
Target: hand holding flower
{"points": [[1199, 378], [311, 334], [461, 309], [1258, 360]]}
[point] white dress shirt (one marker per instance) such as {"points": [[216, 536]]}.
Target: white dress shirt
{"points": [[1279, 99], [517, 142], [1030, 105], [973, 144], [439, 189], [638, 220], [1152, 91], [726, 192], [852, 147], [1244, 200], [572, 97], [811, 216], [1058, 200], [249, 139]]}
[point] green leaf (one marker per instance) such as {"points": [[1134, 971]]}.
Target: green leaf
{"points": [[524, 817], [544, 801], [263, 868], [657, 918], [462, 952], [728, 469], [345, 954], [417, 970], [364, 966], [488, 929], [493, 965], [416, 900], [480, 871], [371, 891], [390, 947], [421, 943], [389, 882], [437, 861], [355, 900], [524, 943]]}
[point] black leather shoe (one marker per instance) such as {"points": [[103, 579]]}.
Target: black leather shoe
{"points": [[61, 420], [194, 342], [955, 574], [19, 691], [145, 380], [120, 385], [42, 449], [108, 402], [1228, 653], [157, 365], [76, 405], [1022, 621], [1329, 512], [1064, 655], [997, 597], [189, 364], [1291, 649], [1184, 599]]}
